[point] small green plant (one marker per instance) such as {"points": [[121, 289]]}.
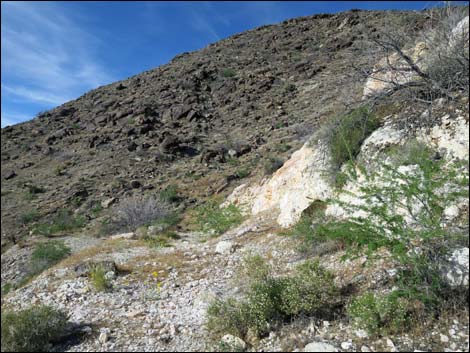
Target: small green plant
{"points": [[96, 209], [99, 279], [228, 72], [6, 288], [63, 221], [380, 314], [30, 216], [31, 330], [216, 220], [60, 170], [46, 255], [170, 194], [242, 173], [131, 121]]}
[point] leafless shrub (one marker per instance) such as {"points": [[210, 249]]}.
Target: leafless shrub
{"points": [[137, 211], [422, 64]]}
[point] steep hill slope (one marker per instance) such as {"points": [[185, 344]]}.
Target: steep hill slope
{"points": [[203, 121]]}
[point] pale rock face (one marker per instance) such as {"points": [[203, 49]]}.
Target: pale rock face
{"points": [[451, 135], [295, 185]]}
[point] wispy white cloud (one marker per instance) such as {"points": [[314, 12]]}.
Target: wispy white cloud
{"points": [[47, 56]]}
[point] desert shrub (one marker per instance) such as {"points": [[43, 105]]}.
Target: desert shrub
{"points": [[63, 221], [228, 72], [31, 330], [134, 212], [96, 209], [242, 173], [30, 216], [98, 278], [47, 254], [216, 220], [380, 314], [402, 210], [271, 164], [310, 291], [440, 69], [272, 300], [344, 135]]}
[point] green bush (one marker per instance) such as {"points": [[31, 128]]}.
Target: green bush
{"points": [[211, 218], [384, 315], [31, 330], [309, 291], [30, 216], [391, 219], [170, 194], [272, 300], [228, 72], [63, 221], [47, 254], [348, 134], [98, 278]]}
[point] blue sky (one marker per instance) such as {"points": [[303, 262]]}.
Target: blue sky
{"points": [[52, 52]]}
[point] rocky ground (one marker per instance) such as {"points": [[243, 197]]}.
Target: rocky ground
{"points": [[139, 314]]}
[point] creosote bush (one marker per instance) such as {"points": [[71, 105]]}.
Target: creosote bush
{"points": [[31, 330], [272, 300]]}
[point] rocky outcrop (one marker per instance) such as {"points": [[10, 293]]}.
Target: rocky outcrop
{"points": [[292, 187]]}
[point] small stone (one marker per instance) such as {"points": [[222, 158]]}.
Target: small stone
{"points": [[234, 342], [319, 347], [346, 345], [365, 349], [108, 202], [361, 333], [224, 247], [444, 339], [10, 175], [103, 337]]}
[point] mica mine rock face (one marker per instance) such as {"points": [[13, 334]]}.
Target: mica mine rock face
{"points": [[295, 185]]}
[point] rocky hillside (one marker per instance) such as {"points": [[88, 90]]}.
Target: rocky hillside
{"points": [[260, 194], [204, 121]]}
